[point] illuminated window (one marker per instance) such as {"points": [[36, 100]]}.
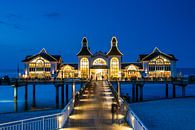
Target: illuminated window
{"points": [[159, 61], [114, 67], [99, 61], [84, 67]]}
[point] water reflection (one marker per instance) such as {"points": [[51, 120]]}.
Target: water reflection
{"points": [[45, 98]]}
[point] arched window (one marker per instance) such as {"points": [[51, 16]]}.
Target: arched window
{"points": [[99, 61], [159, 61], [114, 67], [40, 65], [84, 67]]}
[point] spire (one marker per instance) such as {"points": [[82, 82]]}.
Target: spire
{"points": [[84, 42], [43, 51], [84, 49], [114, 42], [114, 47]]}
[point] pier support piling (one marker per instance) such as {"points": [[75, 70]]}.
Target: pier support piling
{"points": [[34, 95], [137, 93], [174, 91], [167, 90], [141, 92], [26, 93], [15, 93], [62, 94], [66, 93], [183, 90], [57, 96], [133, 92]]}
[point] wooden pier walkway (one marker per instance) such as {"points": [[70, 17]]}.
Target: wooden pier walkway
{"points": [[93, 111]]}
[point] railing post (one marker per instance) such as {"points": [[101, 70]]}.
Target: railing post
{"points": [[22, 126], [118, 89], [43, 123]]}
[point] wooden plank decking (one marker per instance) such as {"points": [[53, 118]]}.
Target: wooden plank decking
{"points": [[93, 110]]}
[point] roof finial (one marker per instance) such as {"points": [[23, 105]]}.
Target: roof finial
{"points": [[43, 51], [114, 41], [84, 41], [156, 49]]}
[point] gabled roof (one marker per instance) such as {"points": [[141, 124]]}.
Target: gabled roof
{"points": [[156, 52], [75, 66], [138, 64], [43, 53], [84, 50], [99, 53], [114, 48]]}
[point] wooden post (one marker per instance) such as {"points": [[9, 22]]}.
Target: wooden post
{"points": [[141, 92], [174, 91], [137, 86], [167, 90], [67, 93], [26, 96], [62, 94], [26, 93], [118, 89], [34, 96], [57, 96], [133, 92], [183, 90]]}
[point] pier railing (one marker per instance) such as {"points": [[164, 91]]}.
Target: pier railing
{"points": [[134, 121], [48, 122], [130, 116]]}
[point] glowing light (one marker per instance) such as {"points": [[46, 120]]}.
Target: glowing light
{"points": [[60, 121]]}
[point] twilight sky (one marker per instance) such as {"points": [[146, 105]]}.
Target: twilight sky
{"points": [[27, 26]]}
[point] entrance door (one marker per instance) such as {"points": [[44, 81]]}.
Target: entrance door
{"points": [[99, 74]]}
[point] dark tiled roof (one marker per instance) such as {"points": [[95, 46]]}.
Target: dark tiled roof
{"points": [[75, 66], [114, 51], [156, 52], [45, 55], [57, 57], [138, 64], [84, 51]]}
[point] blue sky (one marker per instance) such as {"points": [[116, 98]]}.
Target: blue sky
{"points": [[27, 26]]}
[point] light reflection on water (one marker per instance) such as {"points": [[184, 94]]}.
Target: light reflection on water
{"points": [[45, 98]]}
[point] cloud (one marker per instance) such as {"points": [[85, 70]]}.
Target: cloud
{"points": [[16, 26], [52, 15]]}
